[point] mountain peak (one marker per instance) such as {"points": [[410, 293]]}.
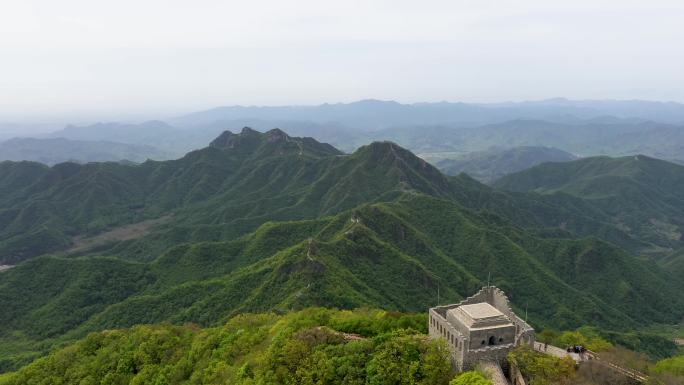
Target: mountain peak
{"points": [[249, 131], [275, 141], [247, 140], [380, 149], [225, 140], [411, 169], [276, 135]]}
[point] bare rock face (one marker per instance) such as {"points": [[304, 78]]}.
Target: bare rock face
{"points": [[275, 141], [247, 138], [276, 135]]}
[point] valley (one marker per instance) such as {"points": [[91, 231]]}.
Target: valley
{"points": [[260, 222]]}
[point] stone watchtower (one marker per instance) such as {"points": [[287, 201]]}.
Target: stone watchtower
{"points": [[480, 328]]}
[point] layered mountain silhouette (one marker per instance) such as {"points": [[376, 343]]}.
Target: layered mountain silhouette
{"points": [[490, 165], [230, 187], [376, 114], [51, 151], [269, 222], [434, 130]]}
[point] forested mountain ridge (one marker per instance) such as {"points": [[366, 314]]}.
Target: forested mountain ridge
{"points": [[232, 186], [269, 222], [51, 151], [240, 181], [390, 255], [490, 165], [642, 195]]}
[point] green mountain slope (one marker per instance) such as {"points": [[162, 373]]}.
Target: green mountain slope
{"points": [[487, 166], [322, 186], [675, 263], [232, 187], [585, 137], [642, 195], [265, 176], [240, 182], [390, 255], [225, 190], [268, 222], [298, 348], [57, 150], [542, 214], [290, 187]]}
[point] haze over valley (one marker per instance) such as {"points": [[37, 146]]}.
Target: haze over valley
{"points": [[435, 131]]}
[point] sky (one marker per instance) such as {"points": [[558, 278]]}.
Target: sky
{"points": [[163, 57]]}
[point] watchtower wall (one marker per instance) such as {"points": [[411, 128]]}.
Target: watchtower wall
{"points": [[456, 341], [466, 351]]}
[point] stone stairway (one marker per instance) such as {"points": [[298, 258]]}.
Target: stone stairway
{"points": [[495, 372], [587, 356]]}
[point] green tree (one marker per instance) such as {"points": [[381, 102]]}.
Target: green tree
{"points": [[395, 362], [673, 365], [542, 369], [435, 363], [401, 357], [470, 378]]}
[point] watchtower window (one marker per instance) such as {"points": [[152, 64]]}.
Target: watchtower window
{"points": [[492, 340]]}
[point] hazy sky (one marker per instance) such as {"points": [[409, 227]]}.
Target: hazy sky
{"points": [[92, 57]]}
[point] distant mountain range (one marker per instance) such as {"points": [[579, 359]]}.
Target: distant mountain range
{"points": [[271, 222], [157, 134], [435, 131], [487, 166], [163, 141], [58, 150], [584, 139], [370, 115]]}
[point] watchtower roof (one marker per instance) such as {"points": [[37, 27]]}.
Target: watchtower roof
{"points": [[481, 310], [480, 315]]}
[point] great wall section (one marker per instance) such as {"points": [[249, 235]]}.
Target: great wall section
{"points": [[482, 329]]}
